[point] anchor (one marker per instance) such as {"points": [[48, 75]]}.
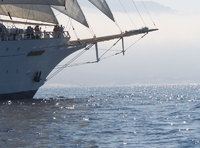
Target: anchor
{"points": [[37, 77]]}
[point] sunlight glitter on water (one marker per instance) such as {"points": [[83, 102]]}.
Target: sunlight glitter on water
{"points": [[140, 116]]}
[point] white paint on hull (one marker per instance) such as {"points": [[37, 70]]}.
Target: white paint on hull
{"points": [[17, 70]]}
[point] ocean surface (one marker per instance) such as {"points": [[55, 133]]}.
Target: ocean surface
{"points": [[153, 116]]}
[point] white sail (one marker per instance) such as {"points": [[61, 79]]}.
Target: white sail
{"points": [[103, 7], [36, 2], [40, 10], [73, 10], [42, 13]]}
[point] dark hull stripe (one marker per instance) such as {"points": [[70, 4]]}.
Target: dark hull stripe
{"points": [[19, 95]]}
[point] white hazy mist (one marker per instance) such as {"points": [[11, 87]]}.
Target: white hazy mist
{"points": [[170, 55]]}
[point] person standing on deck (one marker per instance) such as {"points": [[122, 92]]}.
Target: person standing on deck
{"points": [[37, 31], [55, 31], [61, 31]]}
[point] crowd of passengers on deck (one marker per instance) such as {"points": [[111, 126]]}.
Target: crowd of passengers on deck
{"points": [[29, 33]]}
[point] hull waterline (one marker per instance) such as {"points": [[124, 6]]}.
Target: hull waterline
{"points": [[19, 95]]}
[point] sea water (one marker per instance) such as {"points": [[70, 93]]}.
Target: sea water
{"points": [[157, 116]]}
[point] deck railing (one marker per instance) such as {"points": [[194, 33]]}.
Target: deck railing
{"points": [[18, 35]]}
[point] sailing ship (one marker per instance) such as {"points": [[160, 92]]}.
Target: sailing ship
{"points": [[28, 56]]}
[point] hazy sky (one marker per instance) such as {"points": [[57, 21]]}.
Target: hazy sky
{"points": [[171, 55], [184, 5]]}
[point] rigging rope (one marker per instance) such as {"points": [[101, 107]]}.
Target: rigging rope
{"points": [[145, 7], [74, 29], [69, 62], [91, 29], [118, 26], [109, 48], [126, 48], [127, 14], [139, 12], [68, 23], [101, 59], [136, 42]]}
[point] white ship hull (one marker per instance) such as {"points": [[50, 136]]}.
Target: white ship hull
{"points": [[20, 61]]}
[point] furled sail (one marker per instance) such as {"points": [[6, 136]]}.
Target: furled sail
{"points": [[103, 7], [42, 13], [73, 10], [34, 2]]}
